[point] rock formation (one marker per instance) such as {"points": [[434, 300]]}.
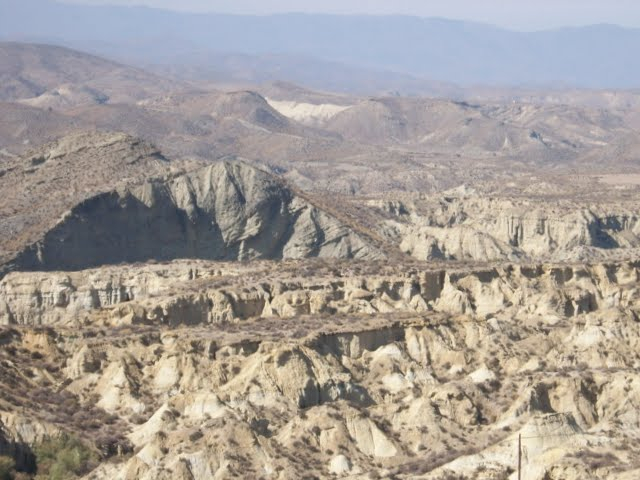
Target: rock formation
{"points": [[226, 211], [223, 212], [317, 286], [328, 368], [472, 227]]}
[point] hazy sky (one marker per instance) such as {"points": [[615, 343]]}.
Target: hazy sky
{"points": [[517, 14]]}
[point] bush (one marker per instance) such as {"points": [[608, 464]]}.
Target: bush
{"points": [[595, 460], [7, 468], [63, 458]]}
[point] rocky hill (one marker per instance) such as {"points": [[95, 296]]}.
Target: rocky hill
{"points": [[467, 226], [60, 77], [297, 285], [319, 141], [23, 127], [93, 199], [416, 337], [530, 131], [228, 211], [39, 188], [197, 370]]}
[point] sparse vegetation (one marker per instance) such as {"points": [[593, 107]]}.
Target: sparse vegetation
{"points": [[433, 327], [63, 458], [7, 468], [597, 460]]}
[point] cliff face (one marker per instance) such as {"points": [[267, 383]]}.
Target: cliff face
{"points": [[205, 293], [97, 199], [482, 229], [38, 189], [225, 370], [228, 211], [132, 324]]}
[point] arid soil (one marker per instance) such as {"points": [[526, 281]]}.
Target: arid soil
{"points": [[275, 283]]}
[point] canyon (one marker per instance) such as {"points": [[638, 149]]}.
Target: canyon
{"points": [[209, 281], [332, 369]]}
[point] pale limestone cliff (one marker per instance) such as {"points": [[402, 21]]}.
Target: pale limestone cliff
{"points": [[407, 397], [208, 293], [228, 211], [476, 228]]}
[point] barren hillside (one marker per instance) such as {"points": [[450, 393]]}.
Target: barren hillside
{"points": [[345, 370], [55, 76], [277, 283]]}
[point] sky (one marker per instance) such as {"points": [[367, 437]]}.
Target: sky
{"points": [[514, 14]]}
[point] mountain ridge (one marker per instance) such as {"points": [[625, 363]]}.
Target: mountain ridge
{"points": [[445, 50]]}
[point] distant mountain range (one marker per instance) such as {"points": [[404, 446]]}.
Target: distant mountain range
{"points": [[599, 56]]}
